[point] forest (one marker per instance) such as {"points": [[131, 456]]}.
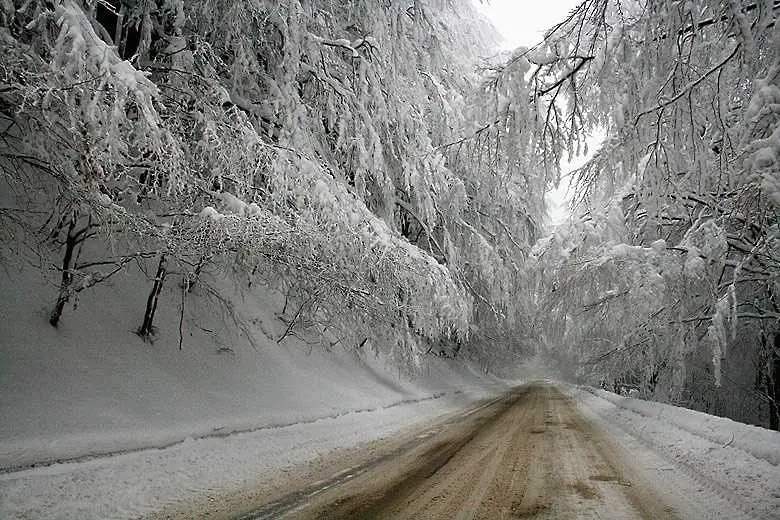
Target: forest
{"points": [[385, 169]]}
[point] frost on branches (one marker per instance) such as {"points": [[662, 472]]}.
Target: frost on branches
{"points": [[667, 277], [306, 146]]}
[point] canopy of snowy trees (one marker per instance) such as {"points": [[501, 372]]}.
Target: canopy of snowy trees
{"points": [[668, 275], [362, 157], [322, 147]]}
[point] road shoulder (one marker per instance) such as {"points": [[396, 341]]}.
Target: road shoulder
{"points": [[697, 477]]}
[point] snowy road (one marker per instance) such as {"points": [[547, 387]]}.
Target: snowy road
{"points": [[542, 450], [530, 454]]}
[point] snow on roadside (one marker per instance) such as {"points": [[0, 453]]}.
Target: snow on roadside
{"points": [[91, 386], [140, 483], [761, 443], [735, 464], [220, 414]]}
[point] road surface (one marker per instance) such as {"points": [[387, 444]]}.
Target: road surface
{"points": [[529, 454]]}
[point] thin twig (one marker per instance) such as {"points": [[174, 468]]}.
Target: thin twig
{"points": [[690, 86]]}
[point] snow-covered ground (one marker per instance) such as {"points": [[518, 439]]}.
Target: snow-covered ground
{"points": [[729, 465], [92, 386], [679, 449], [98, 424], [138, 483]]}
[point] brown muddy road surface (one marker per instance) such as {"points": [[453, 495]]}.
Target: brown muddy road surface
{"points": [[529, 454]]}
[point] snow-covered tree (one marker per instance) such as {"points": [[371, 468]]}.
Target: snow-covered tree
{"points": [[686, 93], [331, 148]]}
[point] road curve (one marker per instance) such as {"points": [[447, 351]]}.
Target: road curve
{"points": [[530, 454]]}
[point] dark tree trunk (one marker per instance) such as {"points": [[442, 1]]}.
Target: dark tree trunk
{"points": [[773, 385], [72, 239], [147, 327]]}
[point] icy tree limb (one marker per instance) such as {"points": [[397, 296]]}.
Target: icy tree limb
{"points": [[690, 86]]}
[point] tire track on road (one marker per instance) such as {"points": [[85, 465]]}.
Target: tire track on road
{"points": [[532, 456]]}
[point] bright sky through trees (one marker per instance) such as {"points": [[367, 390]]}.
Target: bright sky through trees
{"points": [[522, 22]]}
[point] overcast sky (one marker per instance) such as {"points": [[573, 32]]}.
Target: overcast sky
{"points": [[523, 22]]}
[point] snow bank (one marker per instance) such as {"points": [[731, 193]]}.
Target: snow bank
{"points": [[92, 387], [730, 465], [759, 442], [141, 483], [220, 414]]}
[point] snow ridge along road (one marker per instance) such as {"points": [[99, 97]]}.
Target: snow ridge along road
{"points": [[529, 454], [216, 433], [295, 501]]}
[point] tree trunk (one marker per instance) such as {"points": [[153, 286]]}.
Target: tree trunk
{"points": [[147, 327], [773, 385], [71, 241]]}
